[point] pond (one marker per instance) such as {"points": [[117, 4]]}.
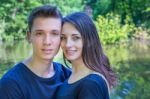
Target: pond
{"points": [[131, 61]]}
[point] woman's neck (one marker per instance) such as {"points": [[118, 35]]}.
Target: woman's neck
{"points": [[79, 71]]}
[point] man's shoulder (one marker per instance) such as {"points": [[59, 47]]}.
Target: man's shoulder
{"points": [[10, 78], [14, 72], [10, 86]]}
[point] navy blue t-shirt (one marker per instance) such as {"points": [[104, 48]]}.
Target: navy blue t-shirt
{"points": [[92, 86], [21, 83]]}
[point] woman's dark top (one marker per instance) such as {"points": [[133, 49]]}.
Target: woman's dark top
{"points": [[92, 86]]}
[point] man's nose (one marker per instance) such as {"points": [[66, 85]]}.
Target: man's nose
{"points": [[47, 40]]}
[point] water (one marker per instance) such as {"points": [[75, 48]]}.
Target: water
{"points": [[131, 61]]}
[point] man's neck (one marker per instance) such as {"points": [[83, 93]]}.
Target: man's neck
{"points": [[42, 68]]}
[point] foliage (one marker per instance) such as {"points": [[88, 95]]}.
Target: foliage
{"points": [[14, 14], [126, 15], [66, 6], [141, 33], [111, 31], [100, 7], [138, 10]]}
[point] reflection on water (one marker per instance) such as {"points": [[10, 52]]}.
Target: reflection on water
{"points": [[11, 53], [131, 61]]}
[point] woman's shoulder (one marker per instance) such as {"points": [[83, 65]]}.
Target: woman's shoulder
{"points": [[94, 79], [97, 80], [95, 86]]}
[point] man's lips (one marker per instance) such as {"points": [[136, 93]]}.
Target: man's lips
{"points": [[47, 50]]}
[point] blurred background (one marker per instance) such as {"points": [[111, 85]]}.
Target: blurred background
{"points": [[123, 27]]}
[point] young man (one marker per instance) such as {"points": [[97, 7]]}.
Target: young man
{"points": [[37, 77]]}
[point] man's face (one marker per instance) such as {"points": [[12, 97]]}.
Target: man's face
{"points": [[45, 37]]}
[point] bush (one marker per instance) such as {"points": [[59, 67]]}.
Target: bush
{"points": [[14, 15], [111, 31]]}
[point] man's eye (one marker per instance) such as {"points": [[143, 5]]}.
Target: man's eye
{"points": [[55, 33], [38, 33]]}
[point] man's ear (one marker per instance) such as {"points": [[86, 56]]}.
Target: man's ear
{"points": [[28, 36]]}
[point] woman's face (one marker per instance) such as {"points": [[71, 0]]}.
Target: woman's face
{"points": [[71, 42]]}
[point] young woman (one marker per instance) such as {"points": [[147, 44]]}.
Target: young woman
{"points": [[92, 76]]}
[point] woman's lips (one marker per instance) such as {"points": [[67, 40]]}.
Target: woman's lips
{"points": [[70, 52]]}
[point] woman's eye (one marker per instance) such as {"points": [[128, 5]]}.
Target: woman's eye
{"points": [[62, 37], [76, 38]]}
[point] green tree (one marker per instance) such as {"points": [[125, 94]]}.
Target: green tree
{"points": [[14, 14], [111, 31], [137, 10]]}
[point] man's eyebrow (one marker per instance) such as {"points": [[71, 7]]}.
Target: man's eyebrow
{"points": [[38, 30], [55, 30]]}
